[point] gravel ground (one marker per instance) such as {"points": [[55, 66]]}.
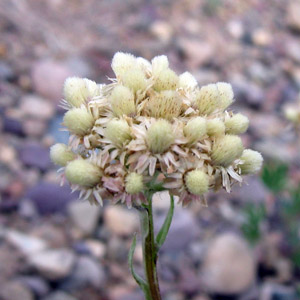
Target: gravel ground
{"points": [[53, 247]]}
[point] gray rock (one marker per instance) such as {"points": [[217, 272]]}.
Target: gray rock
{"points": [[15, 290], [6, 71], [84, 216], [27, 244], [48, 77], [229, 266], [87, 272], [35, 155], [121, 221], [272, 291], [53, 264], [36, 284], [36, 107], [59, 296], [182, 232], [50, 197]]}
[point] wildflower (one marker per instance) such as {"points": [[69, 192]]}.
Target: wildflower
{"points": [[197, 182], [61, 155], [149, 121], [207, 99], [83, 173], [195, 129], [236, 124], [122, 101], [226, 149], [118, 132], [134, 183], [215, 127], [166, 104], [251, 162], [79, 90], [79, 121], [160, 136], [166, 80]]}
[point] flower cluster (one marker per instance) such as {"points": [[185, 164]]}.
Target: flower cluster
{"points": [[151, 124]]}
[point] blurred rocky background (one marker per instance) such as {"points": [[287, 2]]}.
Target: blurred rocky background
{"points": [[53, 247]]}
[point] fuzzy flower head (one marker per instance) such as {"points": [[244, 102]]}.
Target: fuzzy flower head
{"points": [[151, 128]]}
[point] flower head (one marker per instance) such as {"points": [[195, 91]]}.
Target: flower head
{"points": [[251, 162], [79, 90], [61, 155], [83, 173], [79, 121], [226, 149], [160, 136], [197, 182], [151, 123]]}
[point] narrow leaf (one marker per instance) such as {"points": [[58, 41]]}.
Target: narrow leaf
{"points": [[162, 235], [139, 280]]}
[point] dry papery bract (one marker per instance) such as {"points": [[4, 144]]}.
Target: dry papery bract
{"points": [[150, 123]]}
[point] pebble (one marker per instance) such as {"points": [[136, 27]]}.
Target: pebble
{"points": [[34, 127], [87, 272], [15, 290], [36, 284], [50, 198], [6, 71], [84, 216], [271, 291], [36, 107], [229, 266], [48, 77], [97, 248], [53, 264], [13, 126], [35, 155], [27, 244], [197, 52], [183, 225], [59, 296], [162, 30], [292, 17], [120, 220]]}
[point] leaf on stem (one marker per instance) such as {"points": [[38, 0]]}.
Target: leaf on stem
{"points": [[139, 280], [162, 235]]}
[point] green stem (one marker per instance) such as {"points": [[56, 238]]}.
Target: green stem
{"points": [[149, 250]]}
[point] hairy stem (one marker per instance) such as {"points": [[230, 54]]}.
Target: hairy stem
{"points": [[149, 250]]}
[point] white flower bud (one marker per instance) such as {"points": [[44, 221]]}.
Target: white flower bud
{"points": [[226, 149], [251, 162], [195, 129], [118, 132], [79, 121], [237, 124], [197, 182], [83, 173], [135, 79], [166, 80], [166, 104], [207, 99], [79, 90], [160, 136], [134, 183], [122, 62], [215, 127], [226, 94], [159, 63], [187, 81], [61, 155], [122, 101]]}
